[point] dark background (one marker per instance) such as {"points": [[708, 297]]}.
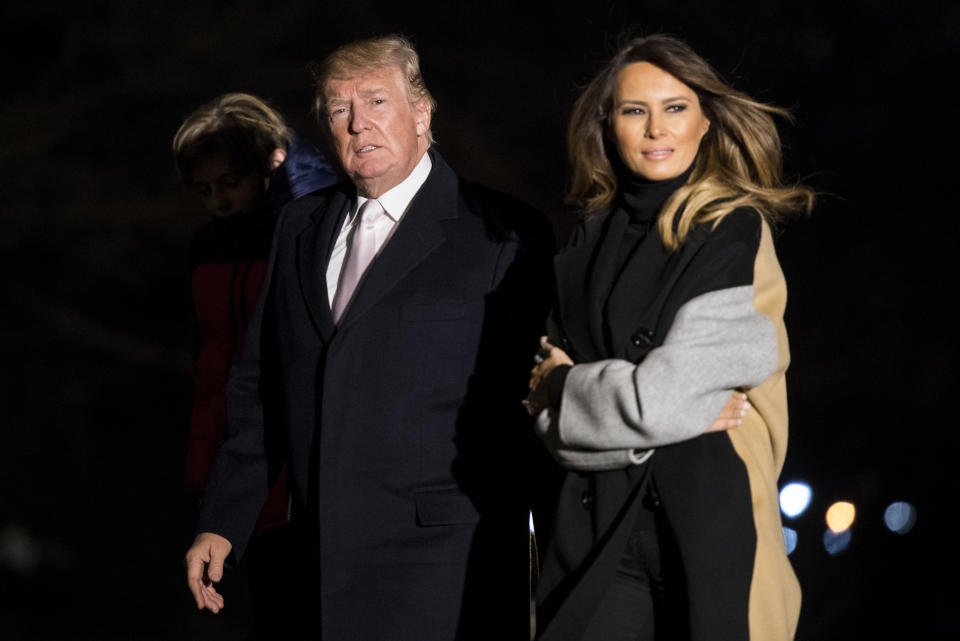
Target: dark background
{"points": [[95, 330]]}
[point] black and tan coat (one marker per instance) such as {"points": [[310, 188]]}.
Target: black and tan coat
{"points": [[658, 348]]}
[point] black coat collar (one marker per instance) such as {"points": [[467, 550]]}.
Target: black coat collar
{"points": [[608, 310]]}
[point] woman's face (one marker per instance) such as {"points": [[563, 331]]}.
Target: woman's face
{"points": [[221, 189], [656, 122]]}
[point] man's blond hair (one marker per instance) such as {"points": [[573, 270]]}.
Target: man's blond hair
{"points": [[363, 56]]}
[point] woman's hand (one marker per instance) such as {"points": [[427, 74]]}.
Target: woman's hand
{"points": [[732, 414], [547, 358]]}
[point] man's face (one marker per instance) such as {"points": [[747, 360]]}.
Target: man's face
{"points": [[377, 133]]}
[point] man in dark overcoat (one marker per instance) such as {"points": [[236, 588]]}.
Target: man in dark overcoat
{"points": [[385, 364]]}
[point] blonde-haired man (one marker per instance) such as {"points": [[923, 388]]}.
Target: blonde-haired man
{"points": [[388, 355]]}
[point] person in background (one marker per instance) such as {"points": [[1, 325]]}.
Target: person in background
{"points": [[244, 164], [669, 298]]}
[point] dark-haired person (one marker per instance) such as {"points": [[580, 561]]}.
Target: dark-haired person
{"points": [[670, 297], [237, 155], [391, 346]]}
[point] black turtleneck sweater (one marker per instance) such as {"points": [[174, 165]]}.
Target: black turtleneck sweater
{"points": [[641, 200]]}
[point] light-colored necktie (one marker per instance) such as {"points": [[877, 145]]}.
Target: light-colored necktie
{"points": [[363, 246]]}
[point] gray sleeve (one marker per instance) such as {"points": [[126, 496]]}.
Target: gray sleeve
{"points": [[717, 342], [584, 459]]}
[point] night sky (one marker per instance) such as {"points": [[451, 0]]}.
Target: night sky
{"points": [[96, 332]]}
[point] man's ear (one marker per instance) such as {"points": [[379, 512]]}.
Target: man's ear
{"points": [[424, 115], [277, 156]]}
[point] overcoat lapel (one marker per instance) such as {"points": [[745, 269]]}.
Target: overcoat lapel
{"points": [[602, 311], [314, 245], [417, 235], [586, 262]]}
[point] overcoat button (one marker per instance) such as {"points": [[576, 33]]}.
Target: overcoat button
{"points": [[586, 499]]}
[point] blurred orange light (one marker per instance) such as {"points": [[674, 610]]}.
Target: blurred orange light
{"points": [[840, 516]]}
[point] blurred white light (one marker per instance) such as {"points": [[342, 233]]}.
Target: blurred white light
{"points": [[900, 517], [531, 522], [836, 542], [795, 499], [790, 539]]}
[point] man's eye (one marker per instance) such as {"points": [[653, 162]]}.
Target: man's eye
{"points": [[378, 101]]}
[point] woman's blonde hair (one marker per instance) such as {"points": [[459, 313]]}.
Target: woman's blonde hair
{"points": [[241, 126], [738, 163]]}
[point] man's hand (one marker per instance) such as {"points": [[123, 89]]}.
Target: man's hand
{"points": [[205, 567], [546, 359]]}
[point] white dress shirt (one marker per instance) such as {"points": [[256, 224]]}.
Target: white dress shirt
{"points": [[395, 203]]}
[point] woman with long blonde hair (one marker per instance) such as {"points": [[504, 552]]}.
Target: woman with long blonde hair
{"points": [[660, 389]]}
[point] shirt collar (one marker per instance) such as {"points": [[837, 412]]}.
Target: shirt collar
{"points": [[396, 200]]}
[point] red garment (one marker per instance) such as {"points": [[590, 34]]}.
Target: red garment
{"points": [[224, 295], [227, 261]]}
